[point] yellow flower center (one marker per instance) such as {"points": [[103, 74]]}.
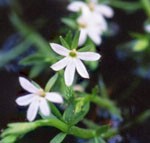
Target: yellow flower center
{"points": [[91, 6], [41, 93], [82, 24], [73, 53]]}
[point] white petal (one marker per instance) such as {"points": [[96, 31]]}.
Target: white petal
{"points": [[76, 6], [98, 22], [88, 56], [105, 10], [69, 73], [27, 85], [60, 64], [83, 37], [44, 108], [25, 100], [54, 97], [81, 69], [94, 1], [32, 110], [95, 37], [59, 49]]}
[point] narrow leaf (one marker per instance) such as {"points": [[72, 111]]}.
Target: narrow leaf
{"points": [[75, 40], [55, 111], [36, 70], [85, 48], [68, 38], [71, 23], [63, 42], [51, 82], [58, 138]]}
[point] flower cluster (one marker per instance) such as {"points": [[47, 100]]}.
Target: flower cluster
{"points": [[91, 22], [38, 98]]}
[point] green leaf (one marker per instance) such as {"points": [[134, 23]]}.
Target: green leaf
{"points": [[58, 138], [90, 124], [101, 140], [6, 57], [85, 48], [141, 45], [106, 104], [18, 128], [32, 59], [146, 6], [127, 6], [69, 22], [36, 84], [96, 140], [64, 43], [51, 82], [68, 38], [75, 40], [16, 131], [55, 111], [103, 89], [75, 112], [36, 70], [103, 129], [9, 139]]}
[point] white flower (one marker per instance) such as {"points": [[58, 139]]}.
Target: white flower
{"points": [[93, 6], [91, 26], [72, 61], [37, 99], [91, 23], [147, 28]]}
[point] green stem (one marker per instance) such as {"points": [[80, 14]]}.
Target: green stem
{"points": [[74, 130]]}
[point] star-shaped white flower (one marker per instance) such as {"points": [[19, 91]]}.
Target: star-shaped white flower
{"points": [[93, 6], [72, 61], [37, 99], [91, 26]]}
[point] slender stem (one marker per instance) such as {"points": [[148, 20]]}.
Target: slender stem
{"points": [[74, 130]]}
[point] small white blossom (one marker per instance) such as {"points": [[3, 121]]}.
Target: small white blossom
{"points": [[91, 26], [147, 28], [72, 61], [37, 99], [93, 6], [91, 23]]}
